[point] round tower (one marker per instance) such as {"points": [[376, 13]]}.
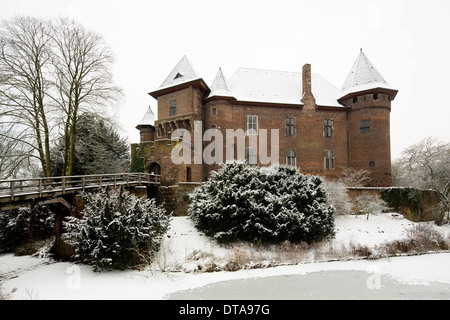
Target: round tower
{"points": [[146, 126], [368, 97]]}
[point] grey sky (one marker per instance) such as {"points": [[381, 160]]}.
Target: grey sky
{"points": [[407, 41]]}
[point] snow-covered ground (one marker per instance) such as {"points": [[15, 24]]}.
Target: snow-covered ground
{"points": [[185, 253]]}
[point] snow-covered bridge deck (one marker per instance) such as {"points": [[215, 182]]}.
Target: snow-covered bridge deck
{"points": [[16, 191]]}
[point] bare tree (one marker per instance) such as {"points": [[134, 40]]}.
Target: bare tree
{"points": [[426, 165], [25, 53], [14, 156], [83, 79], [352, 177], [51, 73]]}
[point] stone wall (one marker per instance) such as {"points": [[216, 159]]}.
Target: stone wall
{"points": [[175, 198], [416, 205]]}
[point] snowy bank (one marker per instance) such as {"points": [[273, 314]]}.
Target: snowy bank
{"points": [[185, 250]]}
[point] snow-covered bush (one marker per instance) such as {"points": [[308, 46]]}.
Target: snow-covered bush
{"points": [[273, 204], [338, 196], [370, 204], [24, 225], [118, 230]]}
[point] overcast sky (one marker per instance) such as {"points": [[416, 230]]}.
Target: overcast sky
{"points": [[407, 41]]}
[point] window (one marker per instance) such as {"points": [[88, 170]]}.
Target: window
{"points": [[327, 128], [214, 111], [291, 158], [252, 125], [371, 164], [364, 126], [188, 174], [355, 100], [214, 127], [375, 96], [251, 156], [328, 161], [173, 108], [290, 126]]}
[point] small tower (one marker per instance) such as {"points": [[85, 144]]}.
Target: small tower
{"points": [[146, 126], [368, 96]]}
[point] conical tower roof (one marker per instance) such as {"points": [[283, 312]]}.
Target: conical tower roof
{"points": [[148, 119], [219, 87], [363, 76]]}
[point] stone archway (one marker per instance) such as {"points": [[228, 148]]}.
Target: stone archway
{"points": [[154, 168]]}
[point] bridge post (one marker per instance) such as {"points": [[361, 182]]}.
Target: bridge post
{"points": [[63, 250]]}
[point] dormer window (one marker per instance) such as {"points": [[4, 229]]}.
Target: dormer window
{"points": [[179, 75]]}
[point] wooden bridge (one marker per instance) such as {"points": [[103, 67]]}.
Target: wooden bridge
{"points": [[14, 193]]}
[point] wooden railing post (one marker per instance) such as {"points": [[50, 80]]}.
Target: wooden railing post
{"points": [[12, 190]]}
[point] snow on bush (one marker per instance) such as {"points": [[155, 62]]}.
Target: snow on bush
{"points": [[23, 225], [118, 230], [338, 196], [370, 204], [274, 204]]}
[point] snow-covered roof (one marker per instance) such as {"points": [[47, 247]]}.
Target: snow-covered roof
{"points": [[148, 119], [183, 72], [281, 87], [363, 76], [220, 86]]}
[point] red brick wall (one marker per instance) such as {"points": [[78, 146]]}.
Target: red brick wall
{"points": [[373, 146], [188, 101], [147, 133], [308, 141]]}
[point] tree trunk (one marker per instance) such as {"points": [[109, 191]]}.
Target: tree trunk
{"points": [[73, 138]]}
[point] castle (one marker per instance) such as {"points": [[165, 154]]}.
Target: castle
{"points": [[321, 128]]}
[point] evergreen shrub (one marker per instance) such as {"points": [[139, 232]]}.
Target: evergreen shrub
{"points": [[25, 225], [272, 205], [117, 231]]}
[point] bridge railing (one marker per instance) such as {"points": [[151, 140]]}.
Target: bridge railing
{"points": [[41, 186]]}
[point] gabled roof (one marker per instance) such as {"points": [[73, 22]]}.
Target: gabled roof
{"points": [[362, 77], [148, 119]]}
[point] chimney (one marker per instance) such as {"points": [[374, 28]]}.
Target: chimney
{"points": [[307, 96], [306, 77]]}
